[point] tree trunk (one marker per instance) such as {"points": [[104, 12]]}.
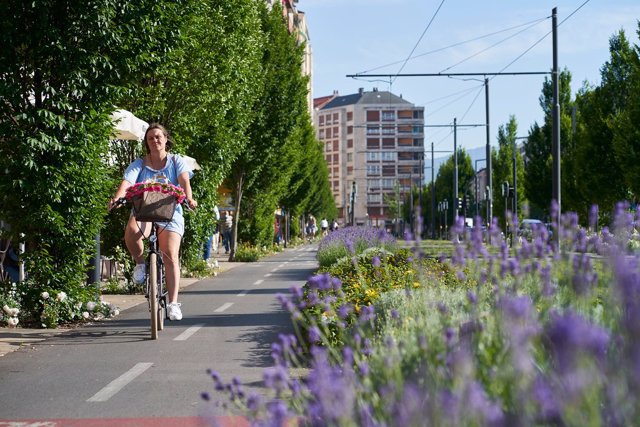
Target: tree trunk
{"points": [[234, 229]]}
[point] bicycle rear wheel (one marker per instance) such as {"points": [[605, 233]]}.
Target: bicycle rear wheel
{"points": [[153, 294], [162, 298]]}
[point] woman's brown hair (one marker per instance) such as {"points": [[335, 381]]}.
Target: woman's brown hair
{"points": [[164, 131]]}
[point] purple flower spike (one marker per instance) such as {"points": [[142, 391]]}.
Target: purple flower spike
{"points": [[375, 261], [314, 334]]}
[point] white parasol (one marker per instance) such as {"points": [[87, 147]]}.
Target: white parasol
{"points": [[128, 126]]}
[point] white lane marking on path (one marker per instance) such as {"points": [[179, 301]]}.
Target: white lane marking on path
{"points": [[223, 307], [267, 275], [282, 265], [274, 270], [257, 282], [116, 385], [243, 293], [186, 334]]}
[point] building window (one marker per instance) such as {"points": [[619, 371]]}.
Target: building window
{"points": [[336, 158], [335, 146], [388, 156], [336, 133], [349, 170], [388, 170], [405, 129], [405, 155], [321, 134], [349, 116], [373, 115], [336, 118], [373, 156], [418, 142], [349, 130], [373, 130], [387, 183], [418, 114], [373, 170], [405, 114], [405, 142], [373, 184], [373, 143], [388, 143], [388, 130], [321, 121], [388, 116], [349, 143], [328, 146], [349, 157], [328, 134], [374, 198], [417, 129], [404, 169]]}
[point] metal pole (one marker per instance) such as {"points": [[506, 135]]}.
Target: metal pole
{"points": [[556, 119], [488, 156], [455, 167], [433, 198], [515, 182]]}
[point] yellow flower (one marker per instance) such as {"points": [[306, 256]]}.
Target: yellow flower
{"points": [[371, 293], [416, 284]]}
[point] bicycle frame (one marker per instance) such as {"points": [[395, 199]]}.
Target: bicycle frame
{"points": [[155, 291]]}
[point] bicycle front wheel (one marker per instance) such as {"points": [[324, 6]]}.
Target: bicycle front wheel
{"points": [[162, 295], [153, 294]]}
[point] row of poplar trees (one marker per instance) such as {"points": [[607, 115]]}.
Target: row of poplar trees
{"points": [[223, 76]]}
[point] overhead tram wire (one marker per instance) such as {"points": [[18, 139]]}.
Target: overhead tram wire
{"points": [[458, 44], [493, 45], [543, 37], [419, 40]]}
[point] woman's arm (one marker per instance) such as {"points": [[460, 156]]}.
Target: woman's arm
{"points": [[122, 190], [185, 183]]}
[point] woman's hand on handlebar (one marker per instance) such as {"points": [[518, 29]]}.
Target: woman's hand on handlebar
{"points": [[192, 203], [116, 203]]}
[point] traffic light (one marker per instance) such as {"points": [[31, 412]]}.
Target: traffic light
{"points": [[459, 202]]}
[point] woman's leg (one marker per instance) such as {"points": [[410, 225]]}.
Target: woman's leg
{"points": [[170, 248], [133, 239]]}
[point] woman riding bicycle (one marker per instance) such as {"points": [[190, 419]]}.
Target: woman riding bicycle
{"points": [[158, 165]]}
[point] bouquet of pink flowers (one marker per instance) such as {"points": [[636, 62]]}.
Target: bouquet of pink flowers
{"points": [[154, 186]]}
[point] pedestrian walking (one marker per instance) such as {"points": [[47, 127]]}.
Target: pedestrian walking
{"points": [[227, 227], [214, 235]]}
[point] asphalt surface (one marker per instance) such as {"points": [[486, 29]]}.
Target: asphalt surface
{"points": [[112, 374]]}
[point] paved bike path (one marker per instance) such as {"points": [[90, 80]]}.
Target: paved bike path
{"points": [[113, 371]]}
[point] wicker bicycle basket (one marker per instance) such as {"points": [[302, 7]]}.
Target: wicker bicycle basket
{"points": [[154, 206]]}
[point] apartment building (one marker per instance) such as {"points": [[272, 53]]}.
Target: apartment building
{"points": [[373, 144]]}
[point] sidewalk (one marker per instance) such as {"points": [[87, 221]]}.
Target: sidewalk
{"points": [[12, 339]]}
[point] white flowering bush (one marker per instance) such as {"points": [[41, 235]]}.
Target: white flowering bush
{"points": [[58, 307], [9, 315]]}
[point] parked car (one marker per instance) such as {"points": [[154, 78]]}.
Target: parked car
{"points": [[527, 228]]}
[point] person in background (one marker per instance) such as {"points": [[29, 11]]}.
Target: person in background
{"points": [[334, 225], [212, 241], [227, 226], [158, 165], [324, 226]]}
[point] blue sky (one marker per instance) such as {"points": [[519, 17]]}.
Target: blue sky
{"points": [[377, 36]]}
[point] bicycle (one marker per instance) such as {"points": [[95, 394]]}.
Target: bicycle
{"points": [[155, 289]]}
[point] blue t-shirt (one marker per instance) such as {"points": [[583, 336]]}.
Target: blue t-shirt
{"points": [[175, 166]]}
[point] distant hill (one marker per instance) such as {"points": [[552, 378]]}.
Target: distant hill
{"points": [[478, 153]]}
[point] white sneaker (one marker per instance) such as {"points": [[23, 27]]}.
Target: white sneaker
{"points": [[139, 272], [174, 311]]}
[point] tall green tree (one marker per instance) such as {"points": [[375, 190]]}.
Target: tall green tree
{"points": [[503, 162], [624, 69], [599, 171], [263, 169], [538, 175], [444, 181], [62, 67], [203, 91]]}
